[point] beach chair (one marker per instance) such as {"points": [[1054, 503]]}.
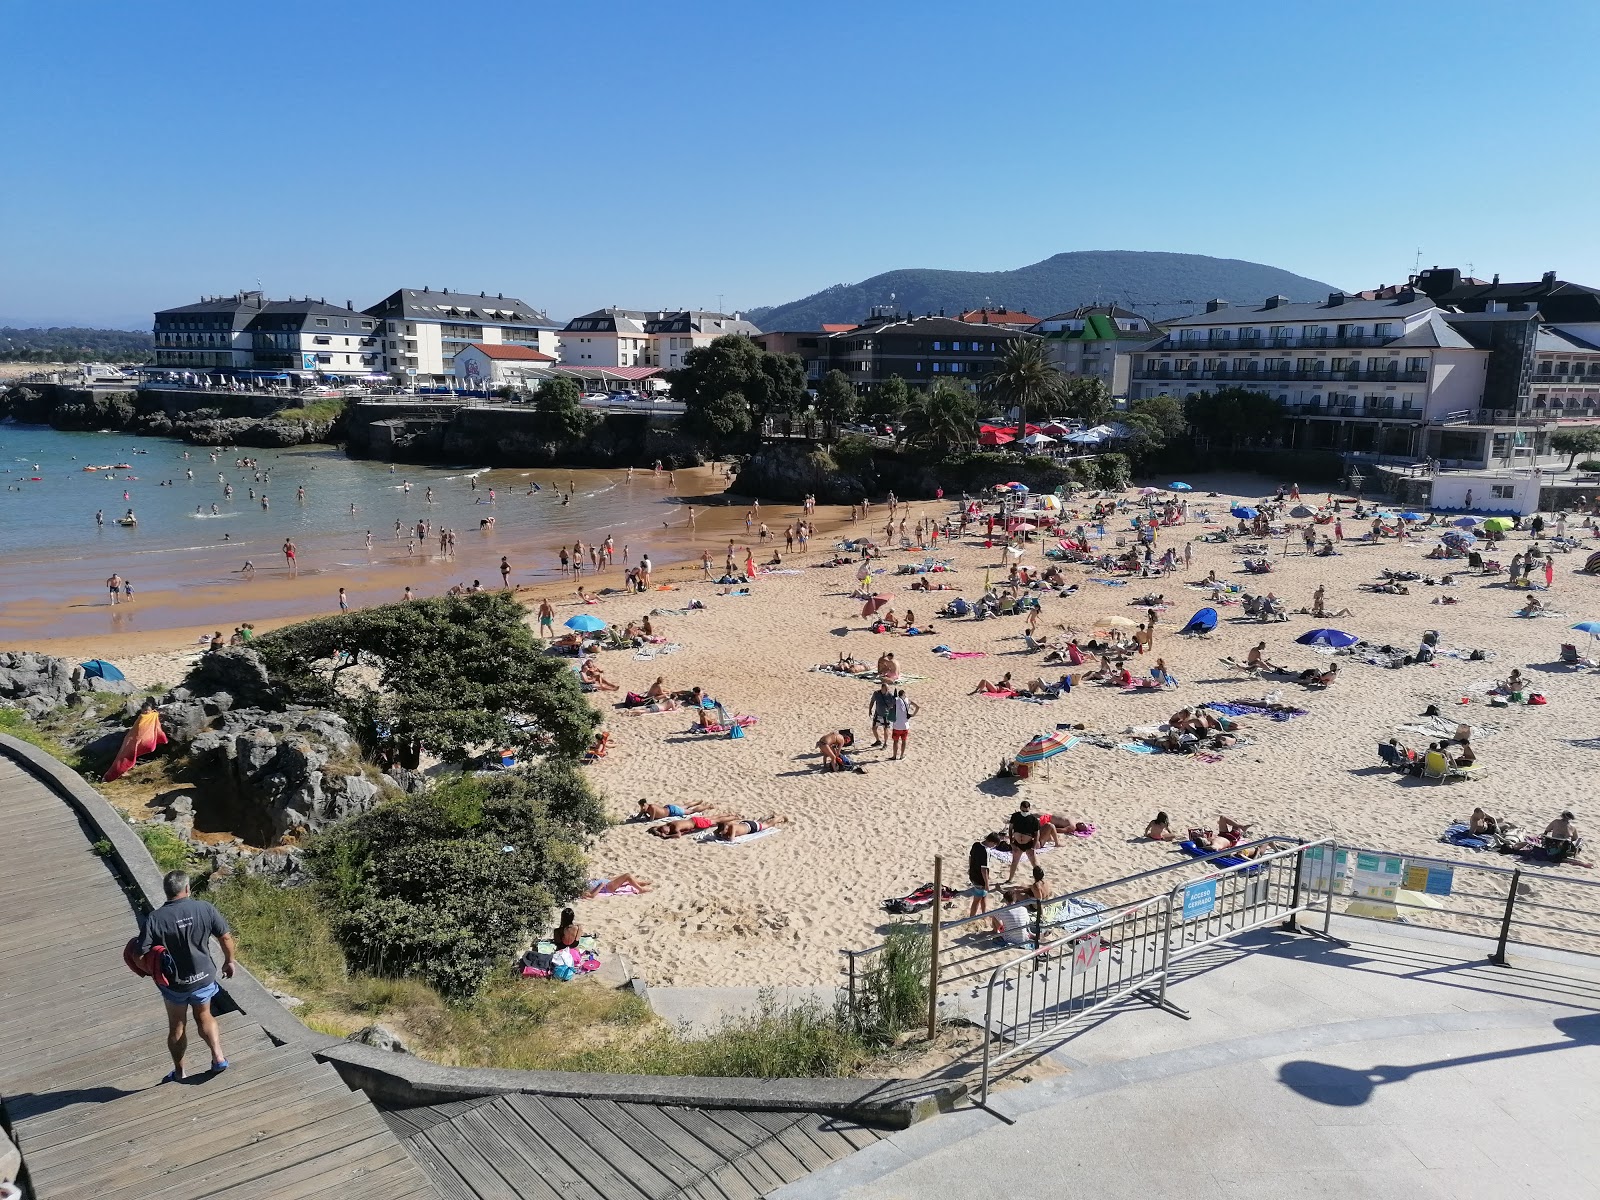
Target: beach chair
{"points": [[1437, 767], [1394, 757]]}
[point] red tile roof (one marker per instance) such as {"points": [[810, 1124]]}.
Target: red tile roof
{"points": [[520, 353], [838, 328], [996, 316]]}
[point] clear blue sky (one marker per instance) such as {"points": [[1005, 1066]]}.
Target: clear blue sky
{"points": [[658, 154]]}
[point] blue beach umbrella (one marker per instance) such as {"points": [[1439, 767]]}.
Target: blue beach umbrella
{"points": [[1244, 511], [585, 623], [1464, 522], [1592, 628], [1336, 638], [1180, 487], [1410, 516], [98, 668]]}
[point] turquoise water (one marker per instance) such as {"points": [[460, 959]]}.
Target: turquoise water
{"points": [[192, 539]]}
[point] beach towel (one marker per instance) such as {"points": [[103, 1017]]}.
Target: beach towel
{"points": [[1137, 748], [1207, 756], [711, 839], [954, 654], [1460, 834], [143, 738], [1109, 582], [1002, 694]]}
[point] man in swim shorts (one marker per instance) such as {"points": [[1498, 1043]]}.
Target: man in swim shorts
{"points": [[738, 827], [657, 812], [184, 926], [678, 828]]}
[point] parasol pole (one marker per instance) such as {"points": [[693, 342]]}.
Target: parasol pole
{"points": [[933, 957]]}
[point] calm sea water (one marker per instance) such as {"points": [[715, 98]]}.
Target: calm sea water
{"points": [[191, 535]]}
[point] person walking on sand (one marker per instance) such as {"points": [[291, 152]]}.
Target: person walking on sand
{"points": [[114, 588], [904, 710], [184, 926], [880, 706], [547, 618], [288, 555], [978, 873], [705, 564]]}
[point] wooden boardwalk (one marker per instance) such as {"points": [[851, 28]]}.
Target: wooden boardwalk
{"points": [[83, 1044], [557, 1148]]}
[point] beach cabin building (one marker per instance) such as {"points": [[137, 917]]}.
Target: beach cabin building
{"points": [[1503, 493], [489, 366]]}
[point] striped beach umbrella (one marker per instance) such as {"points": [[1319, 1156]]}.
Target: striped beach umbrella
{"points": [[1046, 745]]}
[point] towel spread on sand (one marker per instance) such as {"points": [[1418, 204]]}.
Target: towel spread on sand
{"points": [[1137, 748], [711, 839]]}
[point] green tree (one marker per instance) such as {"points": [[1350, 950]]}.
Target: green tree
{"points": [[1165, 413], [942, 419], [559, 405], [836, 399], [889, 400], [1025, 378], [728, 387], [1573, 442], [448, 885], [455, 673], [1086, 399], [1233, 416]]}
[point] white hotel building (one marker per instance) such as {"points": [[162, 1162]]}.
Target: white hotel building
{"points": [[423, 330], [1351, 373]]}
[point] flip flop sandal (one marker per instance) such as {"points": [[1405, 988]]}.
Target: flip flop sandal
{"points": [[172, 1076], [217, 1068]]}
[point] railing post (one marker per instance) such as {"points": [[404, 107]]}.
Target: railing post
{"points": [[1166, 948], [855, 1013], [1498, 958], [1327, 904], [933, 956], [1292, 924]]}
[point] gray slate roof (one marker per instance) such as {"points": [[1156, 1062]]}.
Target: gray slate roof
{"points": [[1436, 333], [414, 304], [1348, 311]]}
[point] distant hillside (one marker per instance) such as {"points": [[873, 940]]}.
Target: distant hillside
{"points": [[1153, 283], [69, 344]]}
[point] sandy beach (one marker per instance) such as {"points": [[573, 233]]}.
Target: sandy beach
{"points": [[777, 909]]}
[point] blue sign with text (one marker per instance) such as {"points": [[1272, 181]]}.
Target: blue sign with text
{"points": [[1199, 899]]}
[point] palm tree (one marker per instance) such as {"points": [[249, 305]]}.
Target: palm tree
{"points": [[1025, 378], [944, 417]]}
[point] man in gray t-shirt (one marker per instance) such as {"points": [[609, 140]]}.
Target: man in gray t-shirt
{"points": [[185, 926]]}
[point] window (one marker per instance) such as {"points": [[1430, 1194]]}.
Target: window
{"points": [[1221, 335], [1375, 365], [322, 340], [1280, 333], [919, 368], [1307, 366], [1383, 329], [1417, 362], [322, 322], [1503, 491], [1247, 333], [366, 324], [936, 365], [325, 358], [1315, 333], [938, 346], [391, 327], [956, 346]]}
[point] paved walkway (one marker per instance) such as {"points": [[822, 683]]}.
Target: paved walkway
{"points": [[83, 1044], [1396, 1065]]}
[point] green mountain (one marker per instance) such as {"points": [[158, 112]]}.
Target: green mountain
{"points": [[1153, 283], [74, 344]]}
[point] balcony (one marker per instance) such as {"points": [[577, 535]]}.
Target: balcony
{"points": [[1579, 378], [1232, 375], [1354, 412], [1327, 341]]}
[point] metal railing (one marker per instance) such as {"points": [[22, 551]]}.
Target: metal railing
{"points": [[1094, 964]]}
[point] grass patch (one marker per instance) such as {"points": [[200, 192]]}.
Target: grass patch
{"points": [[15, 723], [286, 936], [169, 850], [318, 412]]}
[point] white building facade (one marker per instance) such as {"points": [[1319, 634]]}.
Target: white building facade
{"points": [[495, 366], [422, 330], [625, 337], [1352, 373]]}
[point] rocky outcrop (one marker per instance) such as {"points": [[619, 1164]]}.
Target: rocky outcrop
{"points": [[793, 472], [294, 771], [379, 1037], [201, 418], [236, 670], [40, 683]]}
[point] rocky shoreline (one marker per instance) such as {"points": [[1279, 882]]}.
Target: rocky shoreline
{"points": [[199, 418]]}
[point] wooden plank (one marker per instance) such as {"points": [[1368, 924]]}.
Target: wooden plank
{"points": [[203, 1158], [820, 1129], [643, 1173], [527, 1144], [700, 1155], [476, 1171], [661, 1153], [795, 1140], [576, 1152], [449, 1184], [343, 1168], [752, 1171], [523, 1180]]}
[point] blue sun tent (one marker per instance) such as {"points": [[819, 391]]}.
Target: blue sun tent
{"points": [[98, 668], [1203, 621]]}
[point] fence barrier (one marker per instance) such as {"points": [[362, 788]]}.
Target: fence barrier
{"points": [[1101, 945]]}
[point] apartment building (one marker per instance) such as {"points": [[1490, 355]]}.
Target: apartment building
{"points": [[921, 350], [998, 316], [246, 333], [1353, 373], [423, 330], [625, 337], [1097, 342]]}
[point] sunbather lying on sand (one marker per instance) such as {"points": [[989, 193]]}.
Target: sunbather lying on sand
{"points": [[618, 886], [734, 827], [590, 672], [1230, 834], [649, 811], [984, 686], [681, 828]]}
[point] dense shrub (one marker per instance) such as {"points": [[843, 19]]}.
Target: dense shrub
{"points": [[448, 885]]}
